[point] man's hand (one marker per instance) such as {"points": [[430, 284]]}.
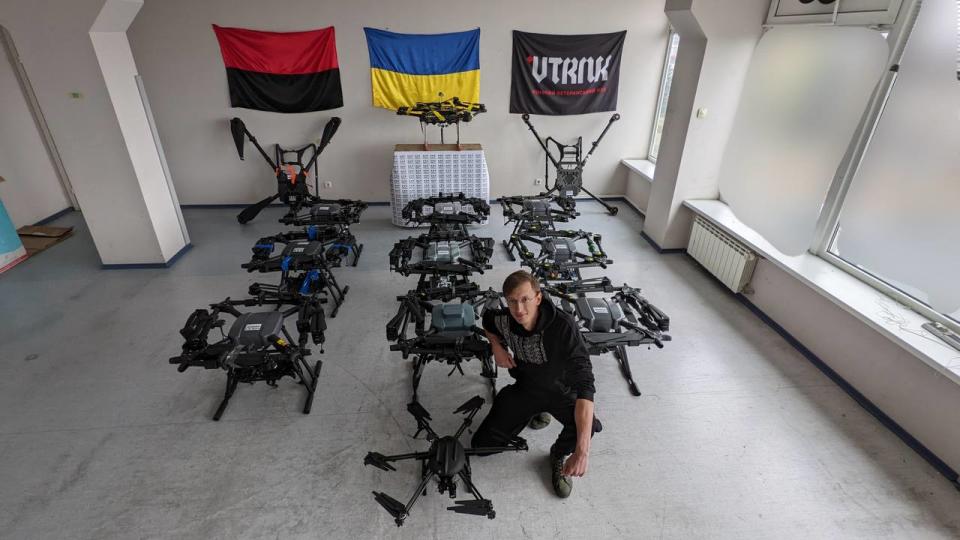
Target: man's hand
{"points": [[500, 355], [576, 464]]}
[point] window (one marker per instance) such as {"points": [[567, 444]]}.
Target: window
{"points": [[673, 41], [892, 221]]}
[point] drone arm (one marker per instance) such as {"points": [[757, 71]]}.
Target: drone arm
{"points": [[543, 144], [595, 143], [328, 132]]}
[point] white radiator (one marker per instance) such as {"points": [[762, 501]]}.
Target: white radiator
{"points": [[721, 254]]}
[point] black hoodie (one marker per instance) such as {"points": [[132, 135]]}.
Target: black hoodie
{"points": [[552, 359]]}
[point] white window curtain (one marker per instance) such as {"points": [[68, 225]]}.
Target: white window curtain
{"points": [[805, 92], [900, 220]]}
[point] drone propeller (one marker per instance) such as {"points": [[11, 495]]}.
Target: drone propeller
{"points": [[473, 404], [379, 461], [237, 128], [395, 507], [475, 507]]}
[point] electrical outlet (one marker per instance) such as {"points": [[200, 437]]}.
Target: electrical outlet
{"points": [[327, 185], [537, 181]]}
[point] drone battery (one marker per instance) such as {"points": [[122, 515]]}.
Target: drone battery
{"points": [[599, 315], [253, 329], [442, 252], [561, 250], [447, 208], [452, 317], [303, 248], [325, 212], [537, 207]]}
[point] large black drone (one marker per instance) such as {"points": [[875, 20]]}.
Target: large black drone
{"points": [[448, 112], [328, 221], [304, 267], [535, 216], [441, 254], [611, 323], [291, 172], [257, 347], [446, 460], [568, 181], [560, 259], [446, 212], [453, 335]]}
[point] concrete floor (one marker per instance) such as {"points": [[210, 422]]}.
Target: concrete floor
{"points": [[736, 434]]}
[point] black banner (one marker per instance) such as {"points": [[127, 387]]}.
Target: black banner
{"points": [[565, 74]]}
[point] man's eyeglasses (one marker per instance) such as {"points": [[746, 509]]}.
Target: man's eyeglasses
{"points": [[514, 303]]}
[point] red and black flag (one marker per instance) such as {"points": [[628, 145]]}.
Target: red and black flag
{"points": [[287, 72]]}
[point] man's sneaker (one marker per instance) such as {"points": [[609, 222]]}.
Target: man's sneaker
{"points": [[539, 421], [562, 485]]}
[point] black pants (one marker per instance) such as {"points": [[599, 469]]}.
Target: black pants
{"points": [[513, 408]]}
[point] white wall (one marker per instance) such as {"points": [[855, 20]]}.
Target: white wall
{"points": [[179, 59], [913, 394], [638, 191], [691, 148], [54, 43], [32, 190]]}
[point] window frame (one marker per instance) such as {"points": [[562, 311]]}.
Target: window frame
{"points": [[653, 147], [828, 224]]}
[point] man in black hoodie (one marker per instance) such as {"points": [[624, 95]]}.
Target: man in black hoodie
{"points": [[553, 373]]}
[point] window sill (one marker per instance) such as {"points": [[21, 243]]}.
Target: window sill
{"points": [[642, 167], [873, 308]]}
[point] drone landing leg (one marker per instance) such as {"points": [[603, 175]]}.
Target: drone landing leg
{"points": [[357, 250], [612, 210], [231, 386], [312, 385], [418, 363], [620, 353]]}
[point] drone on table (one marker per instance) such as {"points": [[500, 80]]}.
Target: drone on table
{"points": [[447, 460], [304, 267], [452, 337], [290, 168], [569, 164], [623, 318], [257, 347], [446, 212], [444, 113], [560, 259], [534, 216]]}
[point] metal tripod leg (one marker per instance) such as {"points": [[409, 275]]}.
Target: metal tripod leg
{"points": [[620, 353]]}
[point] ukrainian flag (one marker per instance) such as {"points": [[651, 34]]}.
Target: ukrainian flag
{"points": [[407, 68]]}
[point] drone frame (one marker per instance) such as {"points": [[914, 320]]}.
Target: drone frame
{"points": [[568, 179], [275, 361], [291, 176], [642, 322], [302, 274], [447, 460], [433, 345], [443, 114]]}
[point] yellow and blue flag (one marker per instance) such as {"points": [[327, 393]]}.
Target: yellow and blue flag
{"points": [[410, 68]]}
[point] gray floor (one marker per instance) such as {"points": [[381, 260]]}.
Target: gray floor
{"points": [[735, 436]]}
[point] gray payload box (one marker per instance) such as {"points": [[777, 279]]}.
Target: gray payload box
{"points": [[561, 250], [442, 252], [537, 207], [253, 330], [599, 314], [449, 318]]}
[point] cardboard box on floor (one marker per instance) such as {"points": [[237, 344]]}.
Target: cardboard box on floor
{"points": [[37, 238]]}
